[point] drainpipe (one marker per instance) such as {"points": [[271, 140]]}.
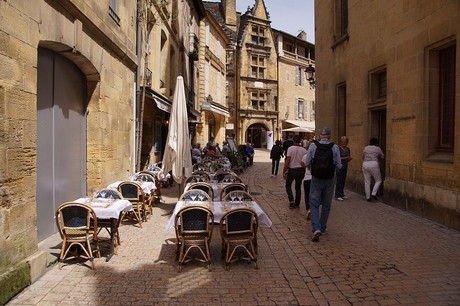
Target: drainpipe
{"points": [[137, 144]]}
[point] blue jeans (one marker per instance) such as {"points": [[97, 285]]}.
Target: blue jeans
{"points": [[321, 191], [295, 174], [341, 176]]}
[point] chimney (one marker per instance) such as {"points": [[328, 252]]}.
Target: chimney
{"points": [[230, 13], [302, 35]]}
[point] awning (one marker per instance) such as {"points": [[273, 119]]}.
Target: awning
{"points": [[162, 102], [305, 124], [216, 108], [299, 129], [193, 112]]}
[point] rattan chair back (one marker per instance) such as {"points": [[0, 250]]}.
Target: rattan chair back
{"points": [[77, 225], [195, 195], [232, 187], [206, 187], [238, 229], [193, 225], [237, 196]]}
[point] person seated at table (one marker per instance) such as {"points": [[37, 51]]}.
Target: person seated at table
{"points": [[196, 153], [211, 151]]}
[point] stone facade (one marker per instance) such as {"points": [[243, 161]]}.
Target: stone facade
{"points": [[212, 97], [257, 81], [379, 75], [296, 99], [102, 48]]}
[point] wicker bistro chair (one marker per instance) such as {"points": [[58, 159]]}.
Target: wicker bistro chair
{"points": [[238, 230], [238, 196], [134, 193], [195, 195], [230, 178], [232, 187], [149, 200], [200, 167], [109, 193], [221, 173], [206, 187], [73, 221], [197, 178], [193, 225], [156, 195]]}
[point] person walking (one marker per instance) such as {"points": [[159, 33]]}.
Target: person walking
{"points": [[294, 171], [345, 157], [372, 154], [250, 151], [323, 159], [275, 155], [306, 184]]}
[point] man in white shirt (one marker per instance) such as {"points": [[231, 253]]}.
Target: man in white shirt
{"points": [[294, 171]]}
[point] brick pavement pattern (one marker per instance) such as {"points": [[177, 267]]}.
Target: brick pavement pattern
{"points": [[372, 254]]}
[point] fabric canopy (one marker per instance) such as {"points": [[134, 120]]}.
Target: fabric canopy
{"points": [[299, 129], [177, 156]]}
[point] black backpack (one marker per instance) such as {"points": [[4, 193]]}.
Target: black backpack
{"points": [[323, 164]]}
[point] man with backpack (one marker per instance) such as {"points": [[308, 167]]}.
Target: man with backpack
{"points": [[323, 159]]}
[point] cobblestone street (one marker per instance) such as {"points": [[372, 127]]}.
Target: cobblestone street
{"points": [[372, 254]]}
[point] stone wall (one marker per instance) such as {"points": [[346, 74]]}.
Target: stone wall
{"points": [[83, 32], [396, 36]]}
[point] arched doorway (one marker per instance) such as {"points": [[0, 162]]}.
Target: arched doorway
{"points": [[257, 134], [61, 136]]}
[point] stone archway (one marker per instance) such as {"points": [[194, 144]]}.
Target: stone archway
{"points": [[257, 134]]}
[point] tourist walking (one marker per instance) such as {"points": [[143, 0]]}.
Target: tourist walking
{"points": [[294, 171], [345, 157], [275, 155], [323, 159], [306, 184], [372, 154]]}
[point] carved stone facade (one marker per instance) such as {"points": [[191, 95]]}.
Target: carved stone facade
{"points": [[390, 69]]}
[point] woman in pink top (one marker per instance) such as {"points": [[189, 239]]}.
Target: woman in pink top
{"points": [[372, 154]]}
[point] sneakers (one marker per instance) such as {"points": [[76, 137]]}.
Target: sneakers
{"points": [[308, 215], [339, 199], [291, 204], [271, 175], [344, 197], [375, 197], [316, 236]]}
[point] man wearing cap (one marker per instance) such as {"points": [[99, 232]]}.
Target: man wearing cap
{"points": [[321, 189], [294, 171]]}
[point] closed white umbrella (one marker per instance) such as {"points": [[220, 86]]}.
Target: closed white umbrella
{"points": [[177, 155]]}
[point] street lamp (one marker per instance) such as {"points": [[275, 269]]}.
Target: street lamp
{"points": [[310, 74]]}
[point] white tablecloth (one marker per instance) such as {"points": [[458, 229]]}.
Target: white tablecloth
{"points": [[219, 212], [105, 209], [147, 187]]}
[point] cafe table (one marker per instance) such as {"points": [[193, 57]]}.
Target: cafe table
{"points": [[147, 187], [219, 209], [108, 211]]}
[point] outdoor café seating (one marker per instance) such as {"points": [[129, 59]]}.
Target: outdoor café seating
{"points": [[134, 193], [230, 187], [197, 178], [231, 178], [195, 195], [201, 167], [155, 196], [109, 193], [193, 225], [238, 230], [206, 187], [73, 221], [237, 196]]}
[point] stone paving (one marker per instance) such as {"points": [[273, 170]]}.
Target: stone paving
{"points": [[372, 254]]}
